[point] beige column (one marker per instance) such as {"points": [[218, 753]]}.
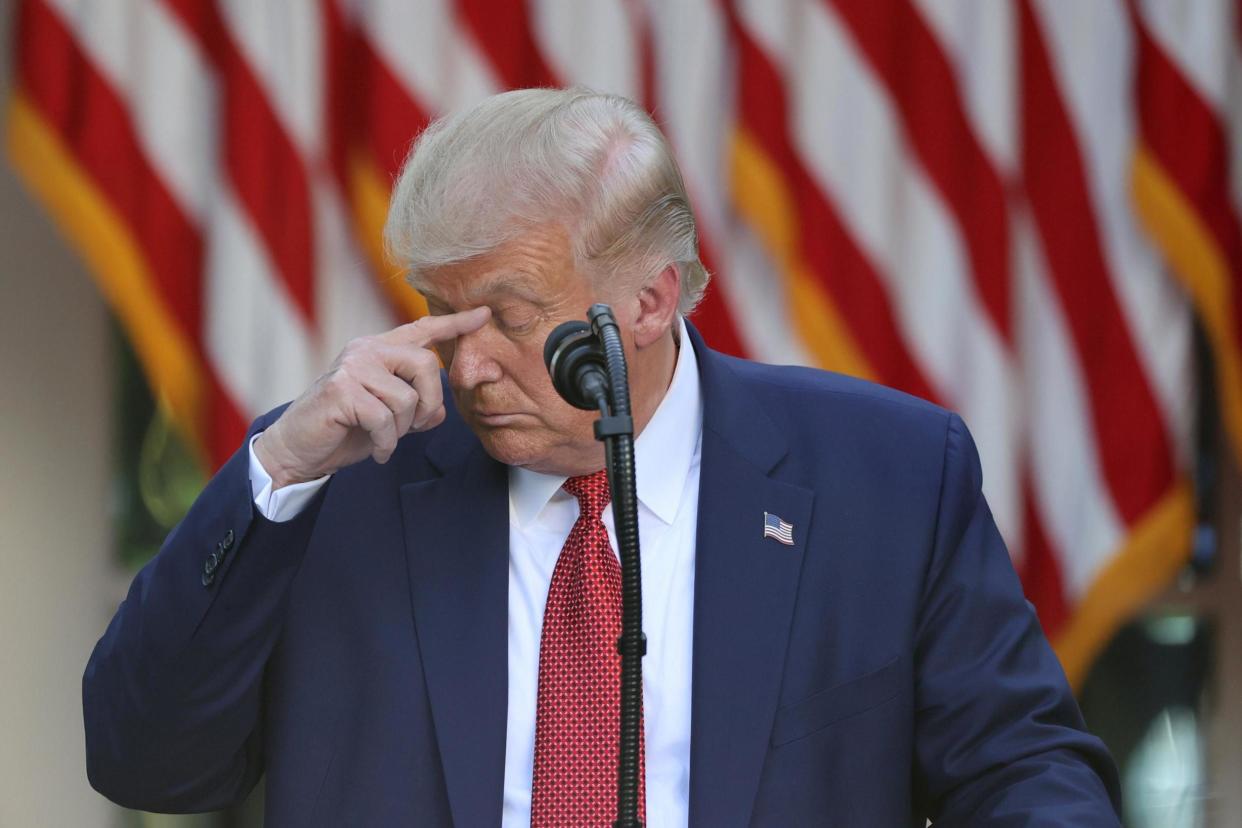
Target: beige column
{"points": [[58, 582]]}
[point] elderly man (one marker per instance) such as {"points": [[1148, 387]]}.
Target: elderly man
{"points": [[400, 603]]}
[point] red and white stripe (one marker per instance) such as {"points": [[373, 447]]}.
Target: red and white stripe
{"points": [[957, 175]]}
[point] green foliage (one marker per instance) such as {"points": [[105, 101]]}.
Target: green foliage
{"points": [[157, 476]]}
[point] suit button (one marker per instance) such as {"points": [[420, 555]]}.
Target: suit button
{"points": [[213, 561], [208, 578], [227, 543]]}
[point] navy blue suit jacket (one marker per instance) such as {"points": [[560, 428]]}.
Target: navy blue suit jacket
{"points": [[882, 669]]}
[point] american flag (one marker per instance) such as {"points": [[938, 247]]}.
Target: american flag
{"points": [[1015, 208], [774, 527]]}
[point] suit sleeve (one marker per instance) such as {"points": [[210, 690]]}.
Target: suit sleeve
{"points": [[172, 692], [999, 737]]}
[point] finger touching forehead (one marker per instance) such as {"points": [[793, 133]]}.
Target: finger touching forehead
{"points": [[437, 329]]}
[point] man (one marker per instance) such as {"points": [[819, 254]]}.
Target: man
{"points": [[399, 604]]}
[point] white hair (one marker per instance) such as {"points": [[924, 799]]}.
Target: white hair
{"points": [[594, 163]]}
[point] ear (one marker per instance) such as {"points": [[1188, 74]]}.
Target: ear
{"points": [[657, 307]]}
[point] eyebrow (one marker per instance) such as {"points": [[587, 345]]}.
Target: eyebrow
{"points": [[506, 283]]}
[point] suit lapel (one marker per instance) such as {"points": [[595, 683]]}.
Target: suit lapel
{"points": [[744, 589], [457, 547]]}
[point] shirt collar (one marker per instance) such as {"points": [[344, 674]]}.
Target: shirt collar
{"points": [[663, 451]]}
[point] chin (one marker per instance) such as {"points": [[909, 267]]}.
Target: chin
{"points": [[521, 447], [510, 446]]}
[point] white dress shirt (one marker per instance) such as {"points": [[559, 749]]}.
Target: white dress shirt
{"points": [[541, 515]]}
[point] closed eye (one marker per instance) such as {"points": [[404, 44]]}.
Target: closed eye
{"points": [[517, 321]]}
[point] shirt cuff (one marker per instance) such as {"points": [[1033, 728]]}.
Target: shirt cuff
{"points": [[285, 503]]}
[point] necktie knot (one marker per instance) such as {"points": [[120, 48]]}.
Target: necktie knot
{"points": [[592, 492]]}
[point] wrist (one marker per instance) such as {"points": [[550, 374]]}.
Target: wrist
{"points": [[269, 449]]}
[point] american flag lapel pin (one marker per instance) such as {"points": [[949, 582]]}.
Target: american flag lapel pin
{"points": [[774, 527]]}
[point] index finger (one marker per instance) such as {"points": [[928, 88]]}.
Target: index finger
{"points": [[428, 330]]}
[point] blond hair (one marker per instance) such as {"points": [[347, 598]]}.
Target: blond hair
{"points": [[595, 163]]}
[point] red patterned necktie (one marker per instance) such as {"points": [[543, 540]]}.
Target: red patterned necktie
{"points": [[579, 707]]}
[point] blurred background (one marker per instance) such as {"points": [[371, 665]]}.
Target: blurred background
{"points": [[1026, 210]]}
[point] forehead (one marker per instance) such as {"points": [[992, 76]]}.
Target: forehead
{"points": [[526, 266]]}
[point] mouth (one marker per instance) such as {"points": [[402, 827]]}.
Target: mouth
{"points": [[497, 419]]}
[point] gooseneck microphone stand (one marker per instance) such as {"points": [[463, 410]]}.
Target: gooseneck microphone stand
{"points": [[588, 369]]}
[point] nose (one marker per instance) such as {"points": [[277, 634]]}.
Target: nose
{"points": [[471, 363]]}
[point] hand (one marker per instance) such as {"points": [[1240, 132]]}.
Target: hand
{"points": [[378, 389]]}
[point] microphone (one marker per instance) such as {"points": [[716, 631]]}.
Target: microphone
{"points": [[575, 361], [587, 366]]}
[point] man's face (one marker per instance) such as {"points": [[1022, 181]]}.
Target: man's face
{"points": [[497, 374]]}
